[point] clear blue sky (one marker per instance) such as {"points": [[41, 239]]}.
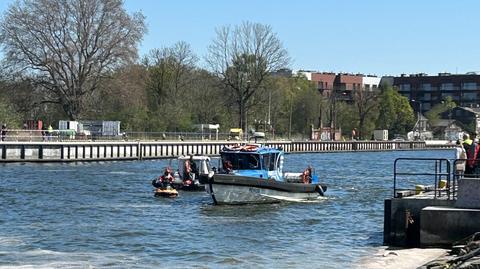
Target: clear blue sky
{"points": [[370, 37]]}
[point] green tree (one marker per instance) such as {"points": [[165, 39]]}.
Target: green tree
{"points": [[122, 97], [8, 115], [365, 104], [395, 113], [433, 115], [294, 106], [171, 73], [346, 117]]}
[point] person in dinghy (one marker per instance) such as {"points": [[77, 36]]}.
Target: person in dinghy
{"points": [[164, 184]]}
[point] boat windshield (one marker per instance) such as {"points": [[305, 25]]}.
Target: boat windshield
{"points": [[269, 161], [244, 161]]}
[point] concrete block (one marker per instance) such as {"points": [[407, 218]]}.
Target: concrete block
{"points": [[396, 230], [442, 226], [468, 195]]}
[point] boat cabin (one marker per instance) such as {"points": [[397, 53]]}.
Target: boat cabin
{"points": [[253, 160], [202, 164]]}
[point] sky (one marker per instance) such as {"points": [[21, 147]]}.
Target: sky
{"points": [[362, 36]]}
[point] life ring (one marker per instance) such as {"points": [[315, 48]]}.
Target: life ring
{"points": [[250, 147]]}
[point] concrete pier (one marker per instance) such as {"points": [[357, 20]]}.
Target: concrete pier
{"points": [[428, 221], [138, 150]]}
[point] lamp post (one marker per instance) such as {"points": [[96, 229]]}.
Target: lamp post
{"points": [[448, 103], [290, 121], [419, 113], [291, 112], [246, 116], [333, 114]]}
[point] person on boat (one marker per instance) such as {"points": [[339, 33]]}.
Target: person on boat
{"points": [[460, 156], [307, 175], [227, 166], [187, 170], [164, 180], [193, 168]]}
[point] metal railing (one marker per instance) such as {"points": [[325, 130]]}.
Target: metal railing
{"points": [[23, 135], [422, 172]]}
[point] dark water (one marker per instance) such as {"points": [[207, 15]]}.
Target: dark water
{"points": [[104, 215]]}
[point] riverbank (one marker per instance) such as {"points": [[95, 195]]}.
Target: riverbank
{"points": [[395, 258]]}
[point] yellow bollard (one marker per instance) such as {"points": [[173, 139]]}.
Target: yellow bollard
{"points": [[419, 189], [442, 184]]}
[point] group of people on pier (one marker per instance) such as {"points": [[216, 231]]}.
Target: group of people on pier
{"points": [[467, 158]]}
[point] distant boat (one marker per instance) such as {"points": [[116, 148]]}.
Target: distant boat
{"points": [[189, 170], [253, 173]]}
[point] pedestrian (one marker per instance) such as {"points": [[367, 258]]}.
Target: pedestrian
{"points": [[466, 141], [50, 132], [472, 153], [3, 133], [460, 156]]}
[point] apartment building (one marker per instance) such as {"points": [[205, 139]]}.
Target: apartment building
{"points": [[426, 91], [344, 84]]}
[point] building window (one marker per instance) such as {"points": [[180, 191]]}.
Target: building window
{"points": [[447, 87], [427, 87], [469, 86], [404, 87], [469, 96]]}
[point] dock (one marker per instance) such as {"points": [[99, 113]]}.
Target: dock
{"points": [[434, 216]]}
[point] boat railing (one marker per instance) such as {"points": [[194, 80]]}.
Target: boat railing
{"points": [[414, 176]]}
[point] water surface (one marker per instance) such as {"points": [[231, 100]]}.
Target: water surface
{"points": [[104, 215]]}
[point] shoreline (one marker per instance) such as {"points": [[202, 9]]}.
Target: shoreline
{"points": [[401, 258]]}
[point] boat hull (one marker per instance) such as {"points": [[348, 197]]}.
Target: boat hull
{"points": [[191, 187], [168, 192], [235, 189]]}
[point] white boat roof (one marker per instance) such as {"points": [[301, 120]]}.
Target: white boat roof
{"points": [[194, 157]]}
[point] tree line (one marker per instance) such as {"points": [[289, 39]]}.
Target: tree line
{"points": [[79, 60]]}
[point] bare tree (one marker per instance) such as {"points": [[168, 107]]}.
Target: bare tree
{"points": [[68, 46], [170, 72], [365, 102], [242, 58]]}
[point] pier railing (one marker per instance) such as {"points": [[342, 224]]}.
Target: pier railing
{"points": [[414, 176], [138, 150]]}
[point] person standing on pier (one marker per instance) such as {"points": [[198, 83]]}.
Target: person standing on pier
{"points": [[50, 132], [472, 153], [460, 156]]}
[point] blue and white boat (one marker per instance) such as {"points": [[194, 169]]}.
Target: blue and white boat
{"points": [[254, 174]]}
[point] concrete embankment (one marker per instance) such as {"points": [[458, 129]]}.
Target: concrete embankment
{"points": [[396, 258], [138, 150]]}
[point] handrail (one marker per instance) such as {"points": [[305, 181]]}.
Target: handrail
{"points": [[442, 169]]}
